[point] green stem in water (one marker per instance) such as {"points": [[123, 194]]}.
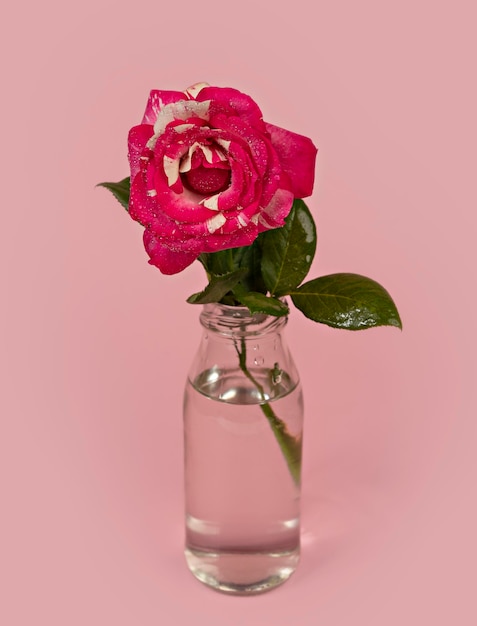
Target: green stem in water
{"points": [[289, 445]]}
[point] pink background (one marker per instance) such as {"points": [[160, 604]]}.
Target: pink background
{"points": [[96, 343]]}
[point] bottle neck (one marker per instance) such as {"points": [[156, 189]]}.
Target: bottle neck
{"points": [[237, 321]]}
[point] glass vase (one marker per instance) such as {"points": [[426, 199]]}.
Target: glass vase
{"points": [[243, 420]]}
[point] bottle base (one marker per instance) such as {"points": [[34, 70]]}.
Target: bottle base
{"points": [[242, 573]]}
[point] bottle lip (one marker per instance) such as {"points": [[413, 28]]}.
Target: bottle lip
{"points": [[229, 320]]}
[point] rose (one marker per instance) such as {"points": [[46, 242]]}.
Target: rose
{"points": [[207, 173]]}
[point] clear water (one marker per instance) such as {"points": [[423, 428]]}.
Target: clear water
{"points": [[242, 505]]}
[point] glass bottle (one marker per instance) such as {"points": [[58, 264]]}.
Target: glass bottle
{"points": [[243, 420]]}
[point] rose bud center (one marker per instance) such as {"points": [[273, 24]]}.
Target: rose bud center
{"points": [[207, 180]]}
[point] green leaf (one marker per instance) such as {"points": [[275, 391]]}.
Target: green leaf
{"points": [[250, 257], [218, 263], [260, 303], [348, 301], [218, 287], [287, 252], [119, 190], [225, 261]]}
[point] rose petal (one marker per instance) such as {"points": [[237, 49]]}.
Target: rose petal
{"points": [[297, 156], [157, 100], [182, 207], [137, 140], [242, 237], [235, 102], [168, 261], [141, 205], [183, 111], [274, 214], [194, 89]]}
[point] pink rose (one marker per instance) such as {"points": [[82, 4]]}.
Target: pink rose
{"points": [[207, 173]]}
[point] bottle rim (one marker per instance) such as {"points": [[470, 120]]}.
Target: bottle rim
{"points": [[230, 320]]}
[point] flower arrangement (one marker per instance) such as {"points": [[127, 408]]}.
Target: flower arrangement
{"points": [[212, 181]]}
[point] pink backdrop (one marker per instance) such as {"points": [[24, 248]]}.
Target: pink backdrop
{"points": [[96, 343]]}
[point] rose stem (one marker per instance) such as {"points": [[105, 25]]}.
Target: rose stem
{"points": [[290, 446]]}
